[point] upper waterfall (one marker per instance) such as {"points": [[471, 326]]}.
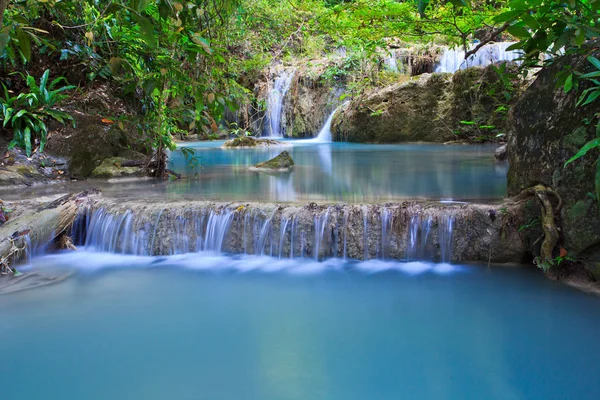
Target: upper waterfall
{"points": [[454, 59], [275, 103]]}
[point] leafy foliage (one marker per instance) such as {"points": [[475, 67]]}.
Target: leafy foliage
{"points": [[28, 112]]}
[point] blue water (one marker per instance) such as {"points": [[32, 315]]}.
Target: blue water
{"points": [[199, 327], [344, 172], [324, 172]]}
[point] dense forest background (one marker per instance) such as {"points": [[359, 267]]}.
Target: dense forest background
{"points": [[178, 66]]}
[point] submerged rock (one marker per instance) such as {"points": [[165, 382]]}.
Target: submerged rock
{"points": [[501, 154], [246, 141], [281, 163], [113, 168]]}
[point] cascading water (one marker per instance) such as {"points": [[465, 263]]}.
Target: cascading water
{"points": [[358, 232], [445, 230], [391, 62], [324, 135], [275, 103], [454, 59]]}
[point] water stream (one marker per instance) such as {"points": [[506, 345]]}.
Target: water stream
{"points": [[454, 59], [275, 101]]}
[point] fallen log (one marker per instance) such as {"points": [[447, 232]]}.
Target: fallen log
{"points": [[37, 228]]}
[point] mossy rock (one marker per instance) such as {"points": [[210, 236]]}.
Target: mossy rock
{"points": [[111, 168], [250, 142], [20, 175], [282, 163]]}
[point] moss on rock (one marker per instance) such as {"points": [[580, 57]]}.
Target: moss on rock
{"points": [[281, 163], [250, 142], [437, 107], [112, 168]]}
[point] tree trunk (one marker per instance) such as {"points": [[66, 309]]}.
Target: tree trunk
{"points": [[39, 227], [3, 5]]}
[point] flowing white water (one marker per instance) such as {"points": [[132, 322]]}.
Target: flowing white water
{"points": [[324, 135], [391, 62], [275, 103], [454, 59], [367, 232]]}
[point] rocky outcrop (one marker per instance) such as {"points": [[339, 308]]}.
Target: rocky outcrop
{"points": [[397, 231], [310, 101], [548, 129], [90, 142], [429, 108], [281, 163], [16, 169], [116, 167]]}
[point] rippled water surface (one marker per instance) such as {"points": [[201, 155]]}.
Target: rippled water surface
{"points": [[244, 327]]}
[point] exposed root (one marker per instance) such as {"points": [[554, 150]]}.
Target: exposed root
{"points": [[551, 234], [65, 242]]}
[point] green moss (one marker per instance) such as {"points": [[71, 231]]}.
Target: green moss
{"points": [[242, 142], [283, 161], [27, 171], [576, 211], [111, 168], [576, 139]]}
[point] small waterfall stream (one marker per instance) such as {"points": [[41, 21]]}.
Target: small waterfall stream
{"points": [[454, 59], [353, 232], [275, 101], [324, 135]]}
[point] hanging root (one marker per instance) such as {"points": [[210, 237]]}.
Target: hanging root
{"points": [[551, 234], [65, 242]]}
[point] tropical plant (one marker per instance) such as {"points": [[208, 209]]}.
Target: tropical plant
{"points": [[27, 113]]}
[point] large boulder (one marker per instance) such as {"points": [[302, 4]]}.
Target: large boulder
{"points": [[437, 107], [116, 167], [91, 141], [548, 128]]}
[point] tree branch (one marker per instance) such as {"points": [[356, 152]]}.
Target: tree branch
{"points": [[490, 38]]}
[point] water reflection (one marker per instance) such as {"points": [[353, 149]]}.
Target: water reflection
{"points": [[344, 171]]}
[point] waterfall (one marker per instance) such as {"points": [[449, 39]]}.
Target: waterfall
{"points": [[391, 63], [345, 231], [324, 135], [418, 240], [454, 59], [445, 230], [387, 219], [275, 103]]}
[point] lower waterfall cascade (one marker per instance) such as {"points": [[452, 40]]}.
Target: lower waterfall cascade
{"points": [[409, 232]]}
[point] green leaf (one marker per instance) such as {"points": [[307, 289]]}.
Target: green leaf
{"points": [[421, 6], [591, 75], [18, 115], [519, 31], [146, 30], [583, 151], [593, 96], [530, 21], [568, 83], [44, 81], [508, 16], [594, 61], [27, 141], [24, 44]]}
